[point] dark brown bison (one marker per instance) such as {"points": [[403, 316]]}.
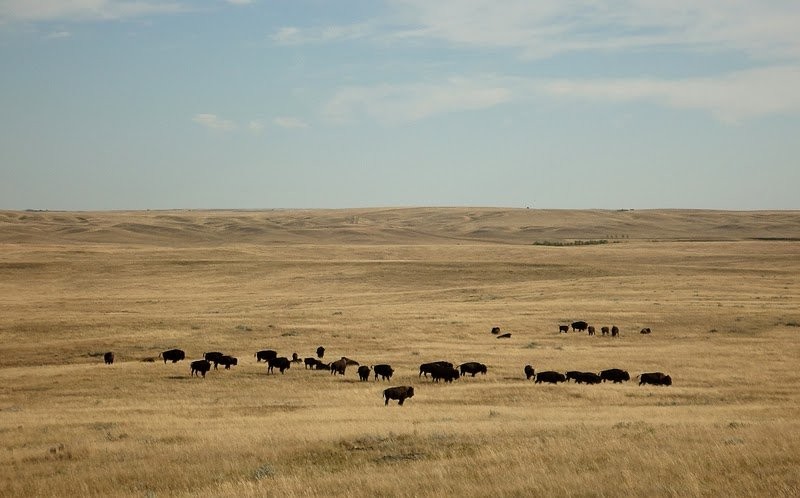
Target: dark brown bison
{"points": [[472, 367], [213, 357], [448, 374], [645, 330], [507, 335], [200, 367], [614, 331], [563, 329], [550, 377], [529, 372], [495, 330], [572, 375], [580, 325], [320, 352], [311, 362], [173, 355], [266, 355], [227, 361], [587, 378], [282, 363], [108, 358], [655, 378], [590, 329], [339, 366], [363, 373], [427, 368], [296, 358], [604, 330], [322, 366], [383, 371], [615, 375], [400, 393]]}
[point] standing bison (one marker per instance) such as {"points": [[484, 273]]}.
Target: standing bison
{"points": [[472, 367], [591, 329], [615, 375], [213, 357], [427, 368], [655, 378], [173, 355], [614, 331], [400, 393], [363, 373], [495, 330], [200, 367], [383, 371], [320, 352], [448, 374], [227, 361], [529, 372], [579, 326], [339, 366], [563, 329], [282, 363], [587, 378], [550, 377], [266, 355], [604, 330], [108, 358]]}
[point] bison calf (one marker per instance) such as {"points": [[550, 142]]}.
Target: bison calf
{"points": [[400, 393]]}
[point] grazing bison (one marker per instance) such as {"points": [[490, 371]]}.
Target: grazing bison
{"points": [[614, 331], [400, 393], [587, 378], [563, 329], [615, 375], [282, 363], [383, 371], [266, 355], [580, 325], [227, 361], [363, 373], [590, 329], [645, 330], [448, 374], [320, 352], [213, 357], [427, 368], [529, 372], [550, 377], [472, 367], [311, 362], [655, 378], [173, 355], [507, 335], [495, 330], [339, 366], [572, 375], [200, 367], [108, 358]]}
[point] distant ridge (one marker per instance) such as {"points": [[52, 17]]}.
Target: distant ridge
{"points": [[394, 226]]}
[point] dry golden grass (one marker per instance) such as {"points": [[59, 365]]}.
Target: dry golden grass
{"points": [[720, 291]]}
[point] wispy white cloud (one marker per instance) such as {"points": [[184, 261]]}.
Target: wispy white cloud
{"points": [[83, 10], [58, 34], [398, 103], [214, 122], [289, 122], [731, 98], [292, 35], [240, 2], [548, 27], [255, 126]]}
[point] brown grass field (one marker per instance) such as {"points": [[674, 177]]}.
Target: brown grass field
{"points": [[720, 291]]}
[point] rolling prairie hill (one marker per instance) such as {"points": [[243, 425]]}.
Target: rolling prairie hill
{"points": [[392, 226]]}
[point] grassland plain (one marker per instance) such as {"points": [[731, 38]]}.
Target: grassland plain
{"points": [[720, 291]]}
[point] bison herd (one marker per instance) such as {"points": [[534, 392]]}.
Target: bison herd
{"points": [[437, 370]]}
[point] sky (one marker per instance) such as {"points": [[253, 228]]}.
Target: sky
{"points": [[257, 104]]}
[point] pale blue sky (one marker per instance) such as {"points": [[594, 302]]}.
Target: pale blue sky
{"points": [[139, 104]]}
